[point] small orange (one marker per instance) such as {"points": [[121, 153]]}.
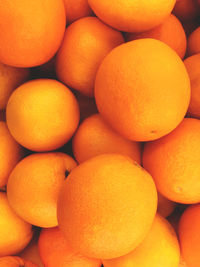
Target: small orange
{"points": [[186, 10], [14, 232], [10, 261], [106, 206], [160, 248], [42, 114], [170, 32], [173, 162], [95, 137], [86, 42], [34, 184], [142, 89], [194, 42], [193, 67], [30, 31], [189, 235], [10, 153], [132, 15], [76, 9], [165, 206], [10, 78], [55, 251]]}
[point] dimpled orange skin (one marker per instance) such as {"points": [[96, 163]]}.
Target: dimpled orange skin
{"points": [[76, 9], [165, 206], [115, 200], [142, 89], [55, 251], [192, 65], [132, 15], [189, 235], [170, 32], [30, 31], [173, 162], [10, 153], [15, 233], [86, 42], [194, 42], [186, 10], [95, 137], [34, 184], [10, 78], [15, 262], [42, 115], [159, 248]]}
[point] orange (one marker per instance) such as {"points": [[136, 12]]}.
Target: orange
{"points": [[86, 42], [142, 89], [55, 251], [10, 78], [15, 262], [165, 206], [30, 31], [173, 162], [10, 153], [76, 9], [15, 233], [193, 67], [170, 32], [34, 184], [132, 15], [95, 137], [194, 42], [159, 248], [106, 206], [42, 114], [186, 10], [189, 235]]}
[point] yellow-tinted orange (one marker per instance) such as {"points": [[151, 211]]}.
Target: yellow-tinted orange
{"points": [[159, 248], [42, 114], [106, 206], [34, 184], [95, 137], [86, 43], [173, 162], [142, 89]]}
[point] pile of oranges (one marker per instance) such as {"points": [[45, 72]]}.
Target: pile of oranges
{"points": [[100, 133]]}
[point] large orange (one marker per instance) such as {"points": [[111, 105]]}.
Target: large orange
{"points": [[194, 42], [10, 153], [10, 78], [106, 206], [86, 43], [170, 32], [189, 235], [55, 251], [14, 232], [30, 31], [193, 67], [76, 9], [95, 137], [42, 114], [160, 248], [10, 261], [142, 89], [34, 184], [173, 162], [132, 15]]}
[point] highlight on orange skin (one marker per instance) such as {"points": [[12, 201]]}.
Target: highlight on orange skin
{"points": [[10, 153], [15, 233], [194, 42], [170, 32], [86, 42], [10, 78], [34, 185], [14, 261], [42, 115], [31, 32], [94, 137], [55, 251]]}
